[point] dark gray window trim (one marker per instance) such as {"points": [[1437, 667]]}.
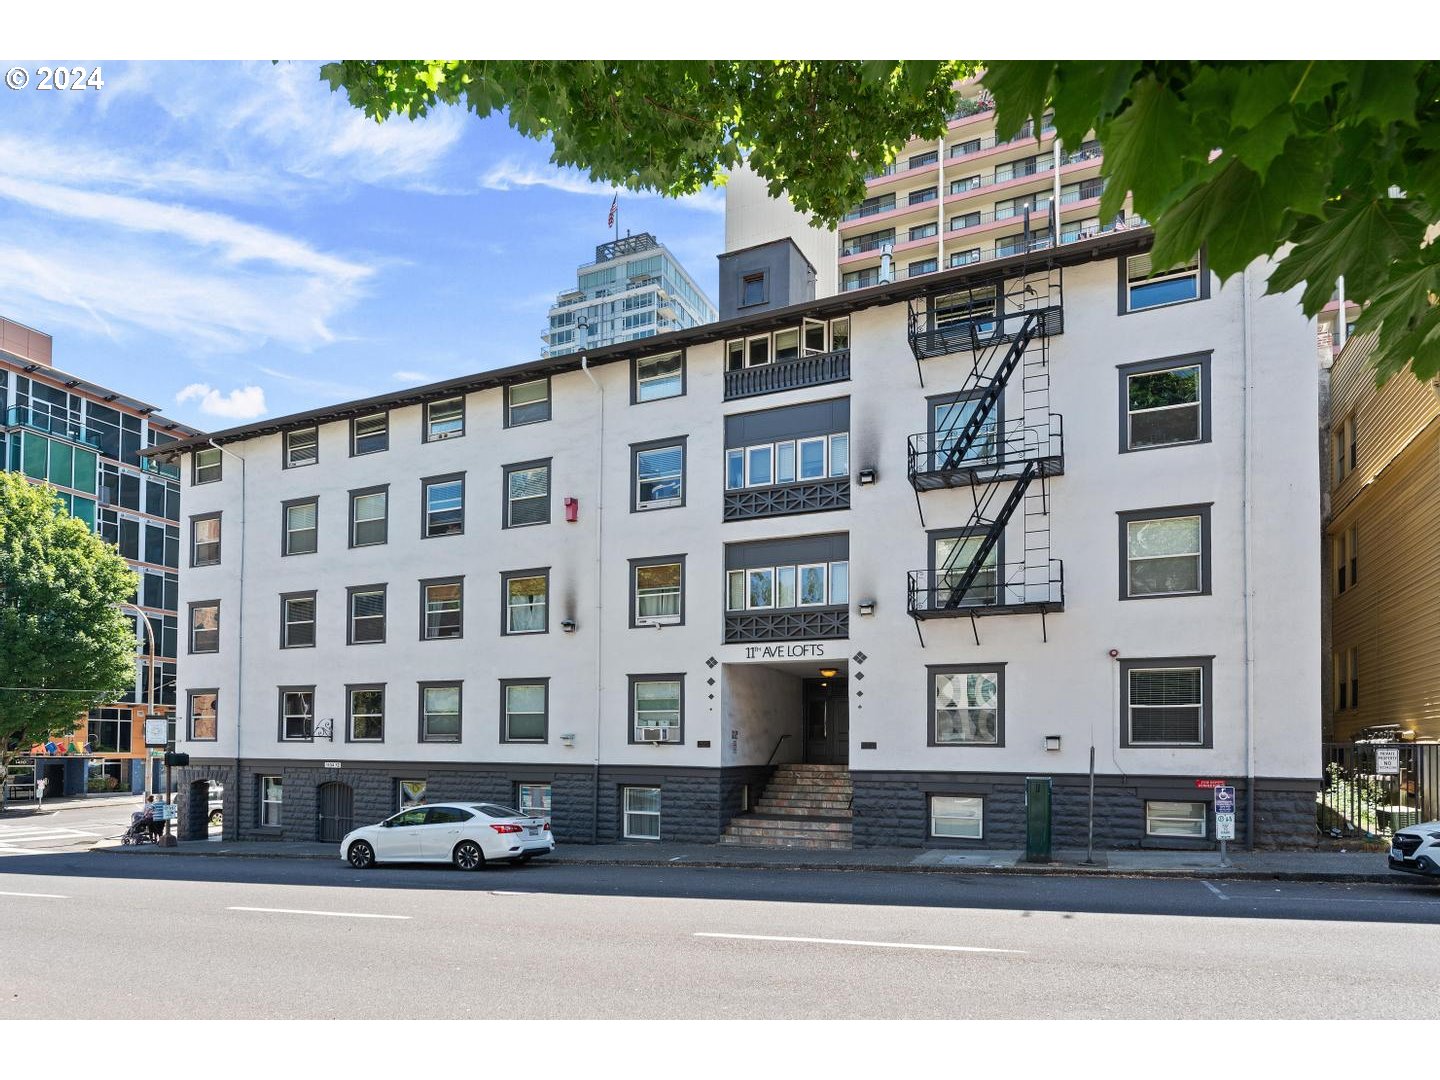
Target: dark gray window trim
{"points": [[519, 466], [190, 649], [425, 583], [505, 402], [376, 489], [354, 419], [505, 577], [932, 400], [931, 670], [302, 595], [459, 684], [285, 506], [635, 363], [218, 544], [506, 683], [280, 712], [744, 275], [195, 480], [425, 418], [636, 449], [190, 713], [964, 531], [285, 447], [425, 482], [1207, 711], [955, 841], [383, 588], [1202, 510], [1122, 304], [672, 676], [1162, 364], [657, 560], [350, 688]]}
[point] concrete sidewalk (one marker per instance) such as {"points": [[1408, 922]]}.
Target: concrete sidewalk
{"points": [[27, 808], [1350, 866]]}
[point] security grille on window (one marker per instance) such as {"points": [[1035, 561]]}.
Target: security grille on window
{"points": [[272, 791], [1175, 819], [444, 419], [655, 706], [444, 617], [370, 434], [1164, 407], [526, 603], [440, 713], [1164, 556], [205, 541], [787, 462], [525, 711], [445, 507], [533, 800], [957, 817], [297, 710], [302, 533], [367, 616], [298, 621], [367, 713], [527, 495], [1166, 706], [208, 464], [527, 403], [642, 813], [658, 592], [205, 628], [204, 724], [369, 518], [966, 708], [302, 448], [809, 585], [1175, 286], [660, 377], [660, 477]]}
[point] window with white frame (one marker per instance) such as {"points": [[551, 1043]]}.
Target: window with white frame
{"points": [[297, 712], [207, 466], [526, 710], [439, 712], [1144, 289], [444, 615], [1165, 552], [444, 506], [444, 419], [1183, 820], [527, 494], [302, 527], [659, 476], [367, 713], [272, 797], [1166, 702], [659, 377], [527, 595], [527, 403], [658, 592], [788, 461], [297, 620], [642, 813], [760, 588], [367, 615], [369, 434], [814, 337], [957, 817], [1343, 443], [657, 704], [967, 705], [369, 517], [302, 447], [205, 627], [533, 800], [1164, 404]]}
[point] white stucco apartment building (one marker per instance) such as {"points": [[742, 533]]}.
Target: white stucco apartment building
{"points": [[940, 536]]}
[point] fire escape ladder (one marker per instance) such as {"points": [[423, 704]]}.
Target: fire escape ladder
{"points": [[985, 403], [994, 528]]}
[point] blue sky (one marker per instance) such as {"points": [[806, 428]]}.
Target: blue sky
{"points": [[232, 241]]}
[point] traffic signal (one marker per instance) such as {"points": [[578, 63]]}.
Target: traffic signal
{"points": [[175, 758]]}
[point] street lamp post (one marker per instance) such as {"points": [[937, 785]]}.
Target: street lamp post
{"points": [[150, 690]]}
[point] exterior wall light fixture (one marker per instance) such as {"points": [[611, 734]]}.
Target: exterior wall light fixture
{"points": [[865, 607], [867, 476], [568, 625], [1052, 742]]}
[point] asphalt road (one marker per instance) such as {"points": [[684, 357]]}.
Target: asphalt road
{"points": [[263, 938]]}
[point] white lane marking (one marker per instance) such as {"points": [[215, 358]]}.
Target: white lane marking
{"points": [[10, 851], [302, 911], [37, 895], [508, 892], [1215, 890], [870, 944]]}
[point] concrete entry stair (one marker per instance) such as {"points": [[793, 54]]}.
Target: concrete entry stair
{"points": [[803, 806]]}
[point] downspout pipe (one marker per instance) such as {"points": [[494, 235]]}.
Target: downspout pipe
{"points": [[599, 579], [1247, 454]]}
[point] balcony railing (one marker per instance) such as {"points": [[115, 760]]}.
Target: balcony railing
{"points": [[979, 146], [50, 424], [805, 497], [932, 463], [865, 210], [812, 624], [802, 371], [150, 465], [1024, 590]]}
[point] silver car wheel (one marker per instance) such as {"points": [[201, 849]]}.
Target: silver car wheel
{"points": [[468, 855], [361, 855]]}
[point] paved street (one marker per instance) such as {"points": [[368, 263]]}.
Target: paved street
{"points": [[296, 938], [63, 825]]}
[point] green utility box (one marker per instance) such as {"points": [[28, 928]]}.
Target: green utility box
{"points": [[1037, 819]]}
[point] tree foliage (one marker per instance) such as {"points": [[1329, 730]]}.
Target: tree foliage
{"points": [[1339, 159], [60, 628]]}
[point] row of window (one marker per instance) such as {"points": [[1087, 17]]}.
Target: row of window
{"points": [[532, 800], [962, 817]]}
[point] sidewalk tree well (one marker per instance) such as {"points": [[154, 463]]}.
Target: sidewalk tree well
{"points": [[1339, 158], [65, 647]]}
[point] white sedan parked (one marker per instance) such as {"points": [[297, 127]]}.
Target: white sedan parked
{"points": [[466, 834]]}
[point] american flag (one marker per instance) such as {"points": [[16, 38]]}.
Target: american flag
{"points": [[614, 209]]}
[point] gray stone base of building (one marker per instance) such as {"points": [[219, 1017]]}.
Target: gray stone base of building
{"points": [[892, 809]]}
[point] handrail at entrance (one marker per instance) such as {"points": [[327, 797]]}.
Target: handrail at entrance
{"points": [[778, 741]]}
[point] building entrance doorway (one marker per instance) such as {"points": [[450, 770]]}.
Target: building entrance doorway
{"points": [[826, 717]]}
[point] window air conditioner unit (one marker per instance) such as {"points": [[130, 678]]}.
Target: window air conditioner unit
{"points": [[655, 734], [443, 435]]}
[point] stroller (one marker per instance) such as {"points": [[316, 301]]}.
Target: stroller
{"points": [[146, 826]]}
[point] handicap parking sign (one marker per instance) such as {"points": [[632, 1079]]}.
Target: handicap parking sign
{"points": [[1224, 800]]}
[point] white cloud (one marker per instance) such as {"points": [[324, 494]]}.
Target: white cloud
{"points": [[413, 377], [509, 175], [244, 403]]}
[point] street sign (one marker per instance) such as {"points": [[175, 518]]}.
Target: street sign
{"points": [[1224, 800], [1224, 826], [1387, 761], [156, 728], [1209, 783]]}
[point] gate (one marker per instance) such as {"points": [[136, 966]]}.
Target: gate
{"points": [[336, 802], [1357, 799]]}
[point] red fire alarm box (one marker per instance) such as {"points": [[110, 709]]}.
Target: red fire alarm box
{"points": [[572, 509]]}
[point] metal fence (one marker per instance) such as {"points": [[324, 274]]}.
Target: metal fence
{"points": [[1369, 790]]}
